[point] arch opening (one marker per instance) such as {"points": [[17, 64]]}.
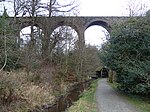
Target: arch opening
{"points": [[63, 38], [96, 35], [30, 36], [62, 42]]}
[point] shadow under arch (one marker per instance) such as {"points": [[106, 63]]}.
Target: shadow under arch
{"points": [[99, 23]]}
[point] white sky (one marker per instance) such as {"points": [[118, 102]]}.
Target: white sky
{"points": [[108, 7], [94, 36], [101, 7]]}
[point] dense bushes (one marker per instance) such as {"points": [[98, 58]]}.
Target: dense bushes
{"points": [[128, 53], [13, 55]]}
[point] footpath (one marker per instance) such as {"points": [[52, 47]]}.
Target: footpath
{"points": [[108, 100]]}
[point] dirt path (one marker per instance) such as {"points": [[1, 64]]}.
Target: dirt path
{"points": [[109, 100]]}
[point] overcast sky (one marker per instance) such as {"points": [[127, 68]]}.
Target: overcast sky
{"points": [[109, 7], [101, 7]]}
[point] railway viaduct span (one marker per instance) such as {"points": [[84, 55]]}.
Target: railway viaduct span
{"points": [[78, 23]]}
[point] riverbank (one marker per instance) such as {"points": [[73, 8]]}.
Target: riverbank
{"points": [[87, 101]]}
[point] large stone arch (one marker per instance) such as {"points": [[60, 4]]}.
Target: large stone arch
{"points": [[76, 22], [79, 23], [102, 29], [98, 22]]}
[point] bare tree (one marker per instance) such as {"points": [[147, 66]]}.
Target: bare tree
{"points": [[136, 7], [54, 8]]}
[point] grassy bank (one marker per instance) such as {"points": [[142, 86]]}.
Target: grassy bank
{"points": [[87, 101], [143, 104]]}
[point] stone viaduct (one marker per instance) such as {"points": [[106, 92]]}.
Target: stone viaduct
{"points": [[79, 24]]}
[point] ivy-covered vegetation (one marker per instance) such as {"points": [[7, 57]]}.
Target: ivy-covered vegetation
{"points": [[128, 53]]}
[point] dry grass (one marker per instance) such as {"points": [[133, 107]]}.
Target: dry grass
{"points": [[37, 94], [18, 92]]}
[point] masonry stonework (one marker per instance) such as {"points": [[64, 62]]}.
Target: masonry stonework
{"points": [[79, 24]]}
